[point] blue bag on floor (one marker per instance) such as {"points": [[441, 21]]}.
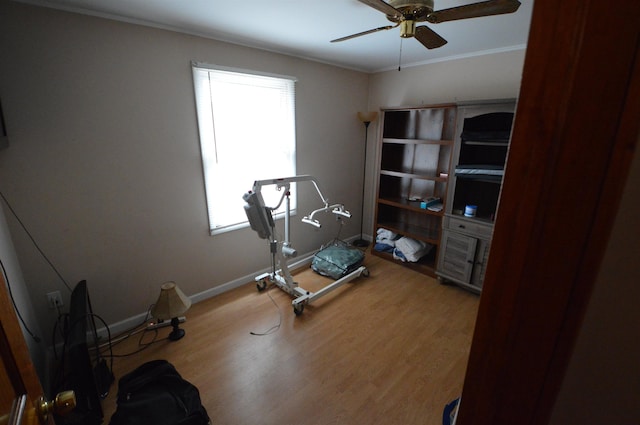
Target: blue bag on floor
{"points": [[337, 260], [450, 412]]}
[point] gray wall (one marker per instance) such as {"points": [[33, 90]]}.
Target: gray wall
{"points": [[104, 169], [490, 76], [104, 164]]}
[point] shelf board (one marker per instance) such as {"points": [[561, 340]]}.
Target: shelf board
{"points": [[486, 142], [417, 141], [482, 219], [412, 176], [408, 205], [426, 265], [479, 178]]}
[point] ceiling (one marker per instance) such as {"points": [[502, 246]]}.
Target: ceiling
{"points": [[304, 28]]}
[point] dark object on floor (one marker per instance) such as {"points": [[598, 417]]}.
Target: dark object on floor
{"points": [[104, 378], [337, 260], [89, 377], [450, 411], [155, 393]]}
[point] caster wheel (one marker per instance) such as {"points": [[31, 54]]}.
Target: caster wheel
{"points": [[262, 285], [298, 309], [365, 272]]}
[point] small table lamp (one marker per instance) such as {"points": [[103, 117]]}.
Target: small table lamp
{"points": [[171, 304]]}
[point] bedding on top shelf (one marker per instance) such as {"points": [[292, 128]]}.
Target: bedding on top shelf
{"points": [[491, 172]]}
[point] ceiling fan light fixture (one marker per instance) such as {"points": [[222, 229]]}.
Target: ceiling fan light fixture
{"points": [[405, 13], [412, 6], [407, 29]]}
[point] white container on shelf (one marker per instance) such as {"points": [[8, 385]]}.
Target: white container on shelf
{"points": [[470, 210]]}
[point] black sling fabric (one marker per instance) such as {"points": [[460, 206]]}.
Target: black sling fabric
{"points": [[155, 393]]}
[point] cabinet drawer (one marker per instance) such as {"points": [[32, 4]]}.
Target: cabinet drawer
{"points": [[468, 226]]}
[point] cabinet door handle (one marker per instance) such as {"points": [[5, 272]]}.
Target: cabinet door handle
{"points": [[461, 226]]}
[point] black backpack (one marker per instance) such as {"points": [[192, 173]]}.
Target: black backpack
{"points": [[155, 393]]}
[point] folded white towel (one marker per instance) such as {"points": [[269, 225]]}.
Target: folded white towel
{"points": [[412, 249], [386, 234], [389, 242]]}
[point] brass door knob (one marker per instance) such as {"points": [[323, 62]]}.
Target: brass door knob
{"points": [[64, 403]]}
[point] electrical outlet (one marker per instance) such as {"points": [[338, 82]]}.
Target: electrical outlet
{"points": [[54, 299]]}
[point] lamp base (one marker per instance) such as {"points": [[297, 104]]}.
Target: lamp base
{"points": [[360, 243], [176, 333]]}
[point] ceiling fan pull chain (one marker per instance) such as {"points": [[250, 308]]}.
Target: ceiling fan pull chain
{"points": [[400, 56]]}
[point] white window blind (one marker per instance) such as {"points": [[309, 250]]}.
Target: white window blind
{"points": [[247, 132]]}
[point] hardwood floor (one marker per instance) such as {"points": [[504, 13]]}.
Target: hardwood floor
{"points": [[390, 348]]}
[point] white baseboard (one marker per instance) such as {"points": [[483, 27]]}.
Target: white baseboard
{"points": [[137, 320], [140, 319]]}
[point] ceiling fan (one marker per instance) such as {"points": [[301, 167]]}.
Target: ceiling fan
{"points": [[405, 13]]}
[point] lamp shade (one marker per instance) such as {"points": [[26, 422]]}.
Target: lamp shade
{"points": [[171, 303], [367, 117]]}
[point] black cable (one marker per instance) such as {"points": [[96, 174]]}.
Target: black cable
{"points": [[119, 339], [13, 301], [95, 336], [56, 326], [273, 328], [273, 270], [59, 377], [143, 346], [124, 335], [99, 377], [58, 374], [341, 223], [400, 55], [130, 332], [34, 242]]}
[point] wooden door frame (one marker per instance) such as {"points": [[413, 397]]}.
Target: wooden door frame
{"points": [[15, 353], [574, 136]]}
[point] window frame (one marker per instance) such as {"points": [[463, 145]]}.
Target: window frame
{"points": [[208, 139]]}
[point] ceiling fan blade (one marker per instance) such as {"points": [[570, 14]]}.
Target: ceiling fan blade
{"points": [[388, 27], [474, 10], [382, 7], [429, 38]]}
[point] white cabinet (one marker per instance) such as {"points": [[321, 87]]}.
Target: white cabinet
{"points": [[464, 252], [480, 150]]}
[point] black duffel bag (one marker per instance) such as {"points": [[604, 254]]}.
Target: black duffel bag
{"points": [[155, 393]]}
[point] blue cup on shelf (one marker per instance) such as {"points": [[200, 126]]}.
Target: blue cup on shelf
{"points": [[470, 210]]}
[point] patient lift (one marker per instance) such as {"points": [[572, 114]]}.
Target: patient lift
{"points": [[261, 220]]}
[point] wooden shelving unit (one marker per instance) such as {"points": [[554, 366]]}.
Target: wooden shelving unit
{"points": [[482, 142], [415, 150]]}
